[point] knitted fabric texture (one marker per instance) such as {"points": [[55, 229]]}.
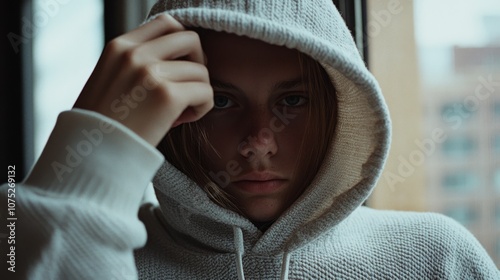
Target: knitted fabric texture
{"points": [[77, 213], [325, 233], [352, 165]]}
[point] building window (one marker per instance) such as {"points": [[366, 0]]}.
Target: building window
{"points": [[463, 181], [459, 146], [498, 248], [496, 109], [462, 214], [496, 180], [450, 112], [496, 144], [437, 71], [497, 215]]}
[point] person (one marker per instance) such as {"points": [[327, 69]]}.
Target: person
{"points": [[274, 134]]}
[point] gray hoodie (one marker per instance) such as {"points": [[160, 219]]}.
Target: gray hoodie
{"points": [[76, 213], [325, 234]]}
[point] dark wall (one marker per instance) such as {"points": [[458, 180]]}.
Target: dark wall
{"points": [[16, 86]]}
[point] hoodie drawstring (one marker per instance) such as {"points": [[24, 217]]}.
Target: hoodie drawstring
{"points": [[285, 263], [239, 246]]}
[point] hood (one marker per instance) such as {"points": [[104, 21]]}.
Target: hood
{"points": [[350, 169]]}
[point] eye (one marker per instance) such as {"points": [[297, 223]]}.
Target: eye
{"points": [[222, 102], [293, 101]]}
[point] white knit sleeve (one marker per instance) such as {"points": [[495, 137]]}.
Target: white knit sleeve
{"points": [[76, 213]]}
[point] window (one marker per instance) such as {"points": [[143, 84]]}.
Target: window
{"points": [[437, 63], [66, 48], [496, 144], [497, 249], [497, 215], [451, 111], [463, 181], [496, 109], [459, 146], [463, 214], [496, 180]]}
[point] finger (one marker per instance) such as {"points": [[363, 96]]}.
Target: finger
{"points": [[176, 45], [185, 117], [196, 96], [161, 25], [108, 74], [180, 71]]}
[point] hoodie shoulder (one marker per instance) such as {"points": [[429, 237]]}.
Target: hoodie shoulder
{"points": [[433, 243]]}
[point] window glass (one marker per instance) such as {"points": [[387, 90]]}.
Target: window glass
{"points": [[496, 144], [497, 215], [463, 181], [69, 39], [463, 214], [496, 179], [497, 249], [438, 65], [450, 111], [459, 146], [496, 109]]}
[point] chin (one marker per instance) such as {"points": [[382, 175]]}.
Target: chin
{"points": [[262, 210]]}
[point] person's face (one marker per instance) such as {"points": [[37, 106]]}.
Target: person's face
{"points": [[257, 124]]}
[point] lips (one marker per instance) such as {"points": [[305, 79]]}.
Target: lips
{"points": [[259, 183]]}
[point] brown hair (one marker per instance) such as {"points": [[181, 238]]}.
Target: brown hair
{"points": [[185, 146]]}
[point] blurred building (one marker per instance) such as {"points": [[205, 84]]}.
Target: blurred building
{"points": [[440, 74], [463, 177]]}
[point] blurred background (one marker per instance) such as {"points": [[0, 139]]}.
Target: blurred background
{"points": [[438, 63]]}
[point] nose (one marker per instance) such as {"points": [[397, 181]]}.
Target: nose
{"points": [[258, 146]]}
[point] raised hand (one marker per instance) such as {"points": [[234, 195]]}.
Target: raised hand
{"points": [[151, 79]]}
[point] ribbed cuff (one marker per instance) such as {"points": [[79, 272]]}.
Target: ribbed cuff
{"points": [[91, 157]]}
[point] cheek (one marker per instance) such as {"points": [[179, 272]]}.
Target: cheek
{"points": [[224, 142], [294, 145], [223, 138], [293, 132]]}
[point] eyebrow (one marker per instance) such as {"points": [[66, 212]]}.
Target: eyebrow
{"points": [[223, 85], [279, 86], [289, 84]]}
